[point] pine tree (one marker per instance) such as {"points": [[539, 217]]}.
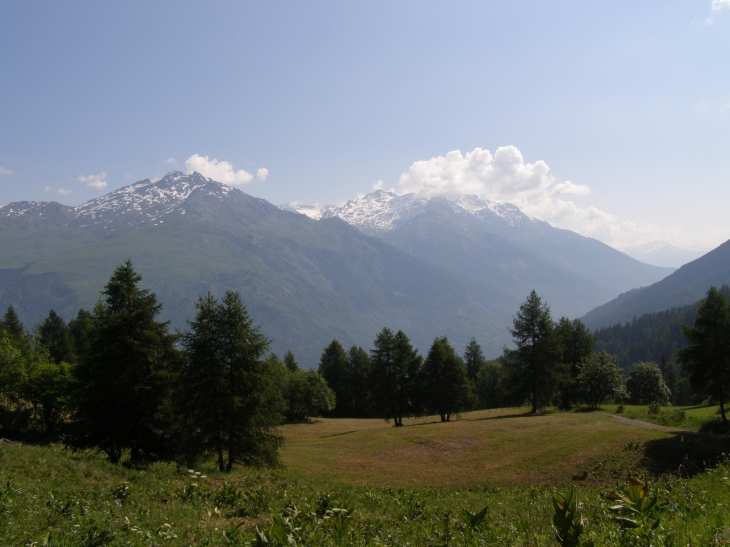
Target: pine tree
{"points": [[444, 382], [335, 369], [228, 398], [473, 359], [532, 367], [393, 376], [55, 335], [121, 379], [707, 358]]}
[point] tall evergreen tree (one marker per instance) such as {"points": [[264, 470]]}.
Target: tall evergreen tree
{"points": [[394, 367], [707, 358], [12, 323], [576, 344], [121, 380], [55, 335], [229, 401], [335, 369], [444, 384], [290, 361], [80, 328], [532, 367], [473, 359], [359, 362], [489, 386]]}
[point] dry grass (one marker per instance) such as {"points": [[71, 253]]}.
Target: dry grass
{"points": [[505, 446]]}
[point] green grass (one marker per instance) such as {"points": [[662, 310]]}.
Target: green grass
{"points": [[696, 418], [62, 498]]}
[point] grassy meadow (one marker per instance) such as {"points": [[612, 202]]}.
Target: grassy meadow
{"points": [[363, 482]]}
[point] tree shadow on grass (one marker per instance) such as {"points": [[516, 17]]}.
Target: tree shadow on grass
{"points": [[685, 453], [508, 416]]}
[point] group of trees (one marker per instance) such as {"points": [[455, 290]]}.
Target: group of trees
{"points": [[551, 363], [118, 380]]}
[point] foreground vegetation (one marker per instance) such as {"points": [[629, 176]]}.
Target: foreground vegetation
{"points": [[55, 497]]}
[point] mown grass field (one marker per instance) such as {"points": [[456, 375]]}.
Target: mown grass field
{"points": [[505, 446], [404, 486]]}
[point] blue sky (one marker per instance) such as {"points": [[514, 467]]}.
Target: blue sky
{"points": [[626, 103]]}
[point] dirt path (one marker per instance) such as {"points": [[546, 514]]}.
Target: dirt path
{"points": [[646, 425]]}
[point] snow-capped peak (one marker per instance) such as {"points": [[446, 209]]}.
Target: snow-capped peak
{"points": [[146, 200], [381, 211]]}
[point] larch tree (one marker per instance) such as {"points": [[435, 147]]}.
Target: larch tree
{"points": [[393, 376], [444, 384], [122, 379], [55, 335], [227, 393], [335, 369], [532, 366], [473, 359], [359, 362], [707, 358]]}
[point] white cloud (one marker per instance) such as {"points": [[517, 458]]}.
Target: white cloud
{"points": [[171, 161], [719, 5], [506, 177], [47, 188], [63, 191], [4, 171], [94, 181], [262, 173], [378, 185], [220, 171]]}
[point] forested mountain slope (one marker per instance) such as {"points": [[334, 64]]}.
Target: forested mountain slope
{"points": [[685, 286]]}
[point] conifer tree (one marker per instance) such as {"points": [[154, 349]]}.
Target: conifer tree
{"points": [[393, 376], [444, 384], [707, 358], [290, 361], [79, 329], [121, 379], [228, 398], [576, 344], [12, 323], [532, 367], [335, 369], [473, 359], [359, 363], [55, 335]]}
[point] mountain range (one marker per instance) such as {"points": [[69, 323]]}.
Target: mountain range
{"points": [[457, 267], [685, 286]]}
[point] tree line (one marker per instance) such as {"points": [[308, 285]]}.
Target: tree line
{"points": [[118, 380]]}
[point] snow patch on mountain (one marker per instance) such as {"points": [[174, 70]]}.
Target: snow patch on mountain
{"points": [[382, 211]]}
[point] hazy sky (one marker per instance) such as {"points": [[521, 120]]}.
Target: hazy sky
{"points": [[610, 118]]}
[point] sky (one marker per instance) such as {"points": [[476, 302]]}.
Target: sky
{"points": [[608, 118]]}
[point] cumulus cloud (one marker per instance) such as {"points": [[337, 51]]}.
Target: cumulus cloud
{"points": [[4, 171], [720, 5], [220, 171], [505, 177], [378, 185], [63, 191], [262, 173], [171, 161], [94, 181]]}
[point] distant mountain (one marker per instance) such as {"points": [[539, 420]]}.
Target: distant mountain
{"points": [[661, 253], [306, 282], [498, 247], [685, 286]]}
